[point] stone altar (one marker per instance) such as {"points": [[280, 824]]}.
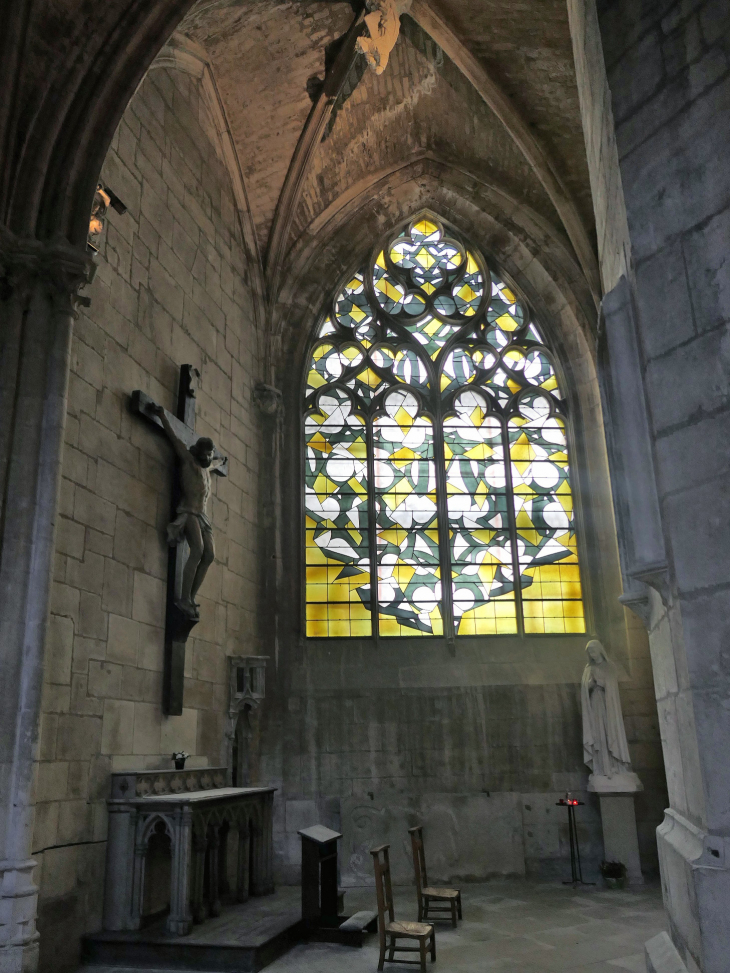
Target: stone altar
{"points": [[199, 816]]}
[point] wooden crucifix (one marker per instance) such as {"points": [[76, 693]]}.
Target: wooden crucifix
{"points": [[190, 533]]}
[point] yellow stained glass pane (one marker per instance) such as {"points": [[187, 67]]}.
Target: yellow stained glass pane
{"points": [[553, 617], [338, 620], [390, 626], [552, 581], [490, 618], [425, 228]]}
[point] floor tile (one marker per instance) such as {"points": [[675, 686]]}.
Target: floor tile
{"points": [[509, 927]]}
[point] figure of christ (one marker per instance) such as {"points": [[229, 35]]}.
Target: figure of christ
{"points": [[192, 522]]}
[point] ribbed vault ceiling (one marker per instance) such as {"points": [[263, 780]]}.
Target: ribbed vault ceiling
{"points": [[266, 56]]}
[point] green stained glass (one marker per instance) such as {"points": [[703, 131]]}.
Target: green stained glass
{"points": [[543, 503], [405, 364], [459, 368], [336, 521], [330, 363], [504, 309], [482, 575], [432, 334], [435, 442], [408, 572]]}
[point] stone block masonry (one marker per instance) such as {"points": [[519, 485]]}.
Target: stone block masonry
{"points": [[170, 288], [661, 190]]}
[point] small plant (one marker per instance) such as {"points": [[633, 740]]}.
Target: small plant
{"points": [[179, 757], [613, 870], [614, 874]]}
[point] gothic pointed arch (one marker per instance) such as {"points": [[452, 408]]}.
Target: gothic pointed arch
{"points": [[436, 476]]}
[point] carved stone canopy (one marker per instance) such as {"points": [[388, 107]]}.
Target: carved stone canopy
{"points": [[247, 681]]}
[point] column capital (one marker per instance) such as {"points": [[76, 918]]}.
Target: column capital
{"points": [[61, 268]]}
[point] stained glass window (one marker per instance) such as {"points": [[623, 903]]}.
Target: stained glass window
{"points": [[437, 483]]}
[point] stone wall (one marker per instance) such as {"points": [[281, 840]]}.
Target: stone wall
{"points": [[369, 737], [664, 195], [173, 286], [353, 749]]}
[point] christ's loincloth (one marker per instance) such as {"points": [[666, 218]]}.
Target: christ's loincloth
{"points": [[176, 530]]}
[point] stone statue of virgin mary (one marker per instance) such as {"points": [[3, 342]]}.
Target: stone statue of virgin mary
{"points": [[605, 749]]}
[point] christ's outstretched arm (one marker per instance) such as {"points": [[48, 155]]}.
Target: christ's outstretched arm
{"points": [[177, 444]]}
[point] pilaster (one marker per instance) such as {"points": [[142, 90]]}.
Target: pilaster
{"points": [[39, 284]]}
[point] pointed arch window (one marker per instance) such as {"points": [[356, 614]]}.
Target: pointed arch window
{"points": [[437, 488]]}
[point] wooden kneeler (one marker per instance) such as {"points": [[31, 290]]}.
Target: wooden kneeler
{"points": [[426, 894], [390, 929]]}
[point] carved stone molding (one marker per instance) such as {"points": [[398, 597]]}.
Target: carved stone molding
{"points": [[59, 267], [142, 783]]}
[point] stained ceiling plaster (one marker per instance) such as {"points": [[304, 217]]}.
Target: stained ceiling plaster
{"points": [[526, 48], [421, 104], [263, 53]]}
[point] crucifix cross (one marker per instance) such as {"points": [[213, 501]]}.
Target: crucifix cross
{"points": [[190, 533]]}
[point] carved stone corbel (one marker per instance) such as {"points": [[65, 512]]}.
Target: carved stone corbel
{"points": [[638, 602], [268, 399], [657, 577]]}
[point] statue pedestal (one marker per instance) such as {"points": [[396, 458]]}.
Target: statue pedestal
{"points": [[618, 817]]}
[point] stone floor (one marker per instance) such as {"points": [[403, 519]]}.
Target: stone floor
{"points": [[508, 927]]}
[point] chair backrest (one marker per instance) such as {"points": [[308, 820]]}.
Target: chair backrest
{"points": [[383, 887], [419, 858]]}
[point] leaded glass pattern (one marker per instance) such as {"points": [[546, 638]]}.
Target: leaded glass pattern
{"points": [[437, 482]]}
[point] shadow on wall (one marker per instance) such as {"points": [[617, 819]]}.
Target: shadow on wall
{"points": [[468, 837]]}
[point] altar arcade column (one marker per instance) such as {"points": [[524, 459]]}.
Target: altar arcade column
{"points": [[39, 285]]}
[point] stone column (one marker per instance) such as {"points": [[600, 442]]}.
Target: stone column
{"points": [[214, 902], [257, 858], [180, 919], [136, 904], [120, 866], [38, 291], [267, 878], [199, 907], [618, 817], [242, 890]]}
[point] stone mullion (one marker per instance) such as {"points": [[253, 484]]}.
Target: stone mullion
{"points": [[442, 514], [511, 520]]}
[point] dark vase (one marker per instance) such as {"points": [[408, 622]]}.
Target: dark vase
{"points": [[180, 763]]}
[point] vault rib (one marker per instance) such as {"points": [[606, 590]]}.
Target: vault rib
{"points": [[531, 148], [303, 154]]}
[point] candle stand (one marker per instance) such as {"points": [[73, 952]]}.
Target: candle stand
{"points": [[575, 868]]}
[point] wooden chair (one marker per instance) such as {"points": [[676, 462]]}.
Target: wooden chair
{"points": [[390, 929], [426, 894]]}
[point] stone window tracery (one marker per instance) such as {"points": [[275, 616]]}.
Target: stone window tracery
{"points": [[436, 460]]}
